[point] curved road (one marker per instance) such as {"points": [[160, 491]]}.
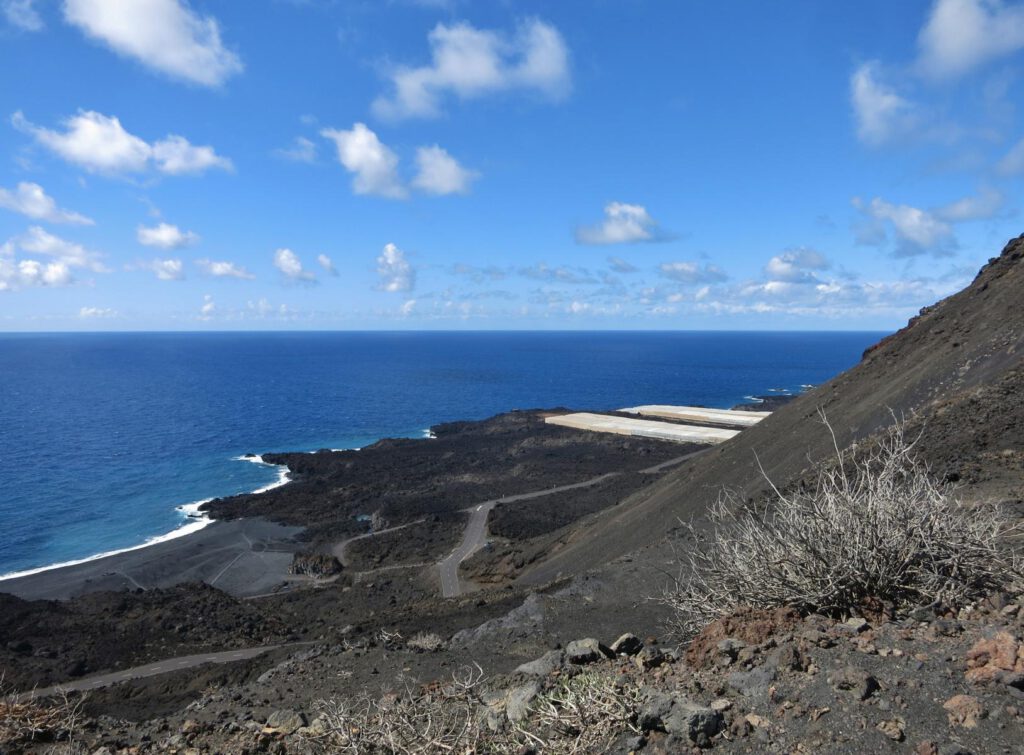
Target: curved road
{"points": [[154, 669], [474, 537], [340, 548]]}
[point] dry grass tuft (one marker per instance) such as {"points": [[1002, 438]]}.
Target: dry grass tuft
{"points": [[578, 715], [24, 720], [875, 526], [428, 642]]}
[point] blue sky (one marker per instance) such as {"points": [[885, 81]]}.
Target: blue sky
{"points": [[290, 164]]}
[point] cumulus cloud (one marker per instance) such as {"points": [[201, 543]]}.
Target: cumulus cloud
{"points": [[223, 269], [396, 274], [38, 241], [880, 113], [290, 266], [623, 224], [373, 166], [97, 313], [100, 144], [32, 201], [691, 272], [440, 173], [166, 270], [798, 265], [984, 205], [327, 264], [918, 231], [165, 236], [208, 308], [302, 150], [468, 63], [18, 271], [165, 35], [22, 14], [961, 35]]}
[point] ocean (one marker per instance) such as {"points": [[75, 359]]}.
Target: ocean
{"points": [[104, 438]]}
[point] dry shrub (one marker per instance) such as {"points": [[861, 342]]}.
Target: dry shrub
{"points": [[444, 718], [581, 714], [875, 526], [428, 642], [25, 719]]}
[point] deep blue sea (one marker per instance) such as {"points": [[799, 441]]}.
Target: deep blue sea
{"points": [[104, 436]]}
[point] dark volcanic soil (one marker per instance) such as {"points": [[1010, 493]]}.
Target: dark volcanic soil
{"points": [[467, 463]]}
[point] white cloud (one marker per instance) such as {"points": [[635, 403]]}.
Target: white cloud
{"points": [[209, 307], [67, 256], [327, 264], [396, 274], [985, 205], [961, 35], [373, 165], [881, 114], [623, 224], [15, 274], [407, 307], [796, 265], [38, 241], [691, 272], [167, 270], [221, 269], [30, 200], [100, 144], [165, 35], [1012, 163], [22, 14], [290, 266], [561, 274], [440, 173], [469, 63], [165, 236], [95, 313], [175, 156], [302, 151], [918, 231]]}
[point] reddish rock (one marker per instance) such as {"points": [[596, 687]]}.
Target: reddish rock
{"points": [[988, 659], [749, 625], [964, 710]]}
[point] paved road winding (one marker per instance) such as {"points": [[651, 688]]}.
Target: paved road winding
{"points": [[341, 548], [476, 529], [152, 669]]}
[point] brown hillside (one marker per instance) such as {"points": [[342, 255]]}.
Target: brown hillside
{"points": [[956, 369]]}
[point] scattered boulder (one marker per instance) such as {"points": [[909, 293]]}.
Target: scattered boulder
{"points": [[587, 650], [627, 644], [517, 702], [285, 721], [547, 664], [964, 710], [679, 716], [850, 679], [753, 683], [649, 657], [989, 660]]}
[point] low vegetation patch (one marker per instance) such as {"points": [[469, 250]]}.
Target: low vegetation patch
{"points": [[875, 527]]}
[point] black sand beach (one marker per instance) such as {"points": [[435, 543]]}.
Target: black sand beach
{"points": [[243, 557]]}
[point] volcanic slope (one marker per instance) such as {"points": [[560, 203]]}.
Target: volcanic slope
{"points": [[956, 373]]}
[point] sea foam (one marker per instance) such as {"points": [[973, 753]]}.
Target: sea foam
{"points": [[195, 520]]}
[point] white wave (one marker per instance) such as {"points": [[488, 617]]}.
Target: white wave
{"points": [[755, 399], [195, 521], [429, 434]]}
